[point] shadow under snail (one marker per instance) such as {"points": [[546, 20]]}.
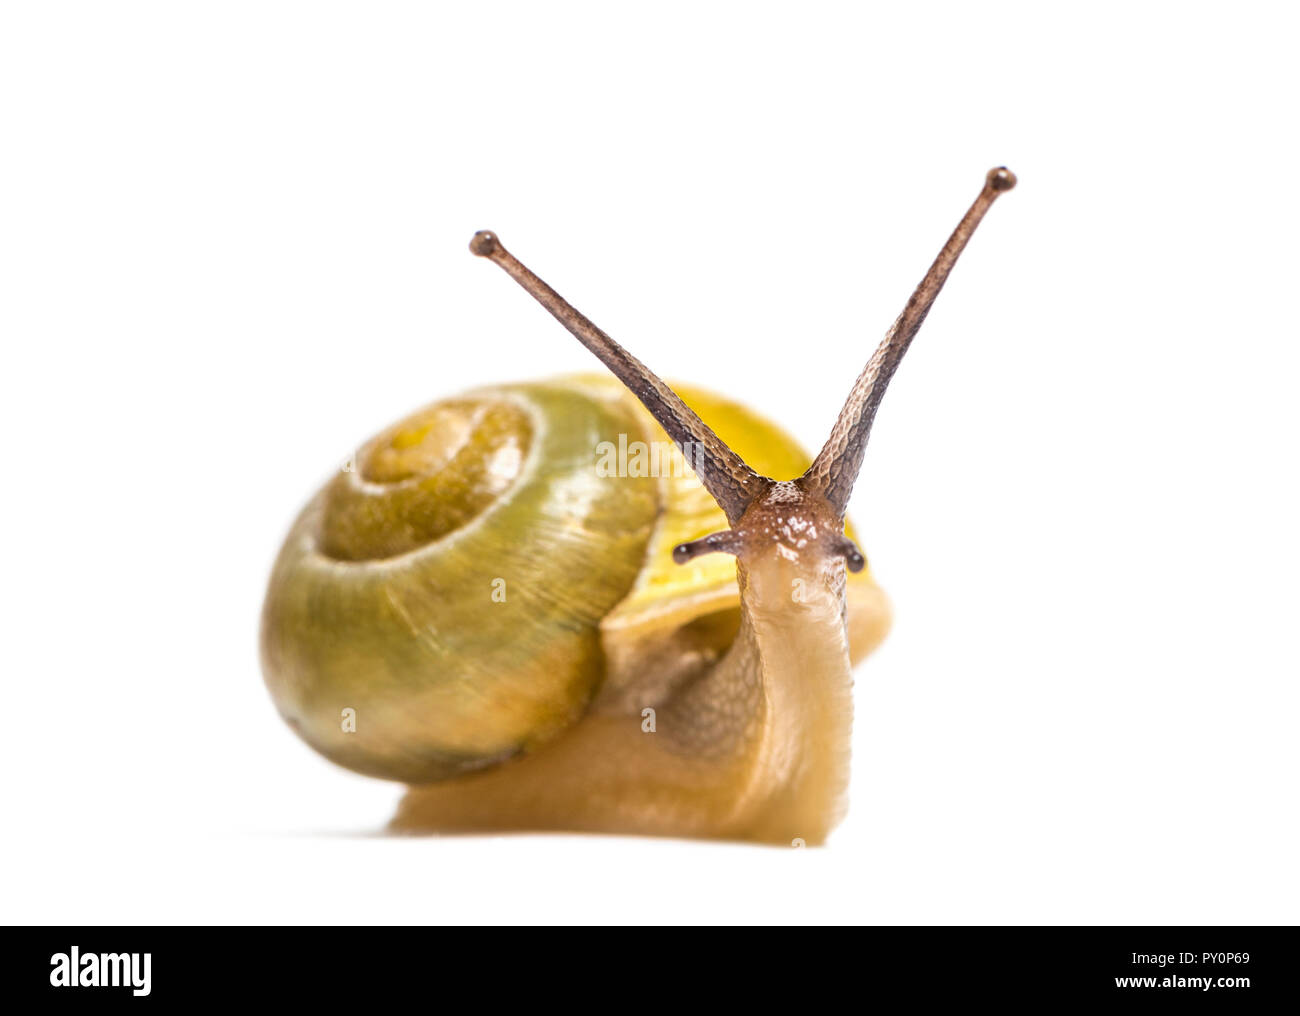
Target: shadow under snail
{"points": [[533, 642]]}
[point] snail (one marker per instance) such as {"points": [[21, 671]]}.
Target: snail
{"points": [[509, 602]]}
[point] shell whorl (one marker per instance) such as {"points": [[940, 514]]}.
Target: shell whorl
{"points": [[424, 478]]}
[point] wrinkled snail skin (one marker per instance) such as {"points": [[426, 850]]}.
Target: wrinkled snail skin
{"points": [[536, 643]]}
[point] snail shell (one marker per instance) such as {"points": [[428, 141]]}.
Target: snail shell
{"points": [[473, 583]]}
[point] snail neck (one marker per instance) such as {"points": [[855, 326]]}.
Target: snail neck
{"points": [[793, 631]]}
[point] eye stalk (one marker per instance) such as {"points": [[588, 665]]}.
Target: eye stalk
{"points": [[725, 475], [835, 470], [733, 484]]}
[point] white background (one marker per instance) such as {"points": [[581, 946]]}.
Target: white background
{"points": [[233, 245]]}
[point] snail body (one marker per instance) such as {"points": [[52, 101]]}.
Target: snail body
{"points": [[511, 600]]}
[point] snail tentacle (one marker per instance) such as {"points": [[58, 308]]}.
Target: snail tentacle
{"points": [[733, 484], [836, 467], [729, 541]]}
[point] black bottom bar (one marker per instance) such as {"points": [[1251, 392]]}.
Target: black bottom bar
{"points": [[473, 968]]}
